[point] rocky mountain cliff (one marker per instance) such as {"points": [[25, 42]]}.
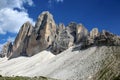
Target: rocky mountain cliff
{"points": [[46, 34], [63, 52]]}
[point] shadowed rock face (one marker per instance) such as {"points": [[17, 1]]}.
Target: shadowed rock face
{"points": [[72, 27], [63, 41], [103, 38]]}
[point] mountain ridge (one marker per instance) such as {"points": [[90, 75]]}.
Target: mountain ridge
{"points": [[46, 34]]}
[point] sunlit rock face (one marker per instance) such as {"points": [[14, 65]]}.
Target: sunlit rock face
{"points": [[81, 33], [21, 42], [94, 33], [43, 34]]}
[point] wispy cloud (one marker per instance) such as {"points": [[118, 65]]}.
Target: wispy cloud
{"points": [[13, 14], [52, 2], [59, 0]]}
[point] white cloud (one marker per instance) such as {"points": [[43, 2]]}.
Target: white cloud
{"points": [[1, 31], [10, 19], [14, 3], [1, 46]]}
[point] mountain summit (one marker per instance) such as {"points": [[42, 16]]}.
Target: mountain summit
{"points": [[46, 34]]}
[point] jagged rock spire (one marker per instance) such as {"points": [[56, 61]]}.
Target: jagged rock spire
{"points": [[6, 50], [43, 35], [21, 41]]}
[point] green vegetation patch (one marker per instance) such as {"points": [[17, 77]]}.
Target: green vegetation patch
{"points": [[25, 78]]}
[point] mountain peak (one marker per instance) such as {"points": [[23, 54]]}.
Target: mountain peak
{"points": [[46, 35]]}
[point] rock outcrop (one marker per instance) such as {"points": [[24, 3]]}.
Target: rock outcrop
{"points": [[94, 33], [6, 50], [72, 27], [103, 38], [81, 33], [63, 41], [21, 42], [43, 34]]}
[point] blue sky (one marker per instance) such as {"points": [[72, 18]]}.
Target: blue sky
{"points": [[104, 14]]}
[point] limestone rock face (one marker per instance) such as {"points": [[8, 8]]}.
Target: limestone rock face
{"points": [[60, 28], [63, 41], [81, 33], [100, 39], [21, 42], [43, 34], [94, 33], [72, 27], [107, 38], [6, 50]]}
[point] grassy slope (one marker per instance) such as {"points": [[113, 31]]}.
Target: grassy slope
{"points": [[25, 78]]}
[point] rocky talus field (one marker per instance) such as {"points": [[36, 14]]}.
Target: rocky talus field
{"points": [[48, 51]]}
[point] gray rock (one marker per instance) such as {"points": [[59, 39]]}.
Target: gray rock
{"points": [[94, 33], [81, 33], [21, 42], [43, 34], [104, 38], [60, 28], [63, 41], [107, 38], [72, 29], [6, 50]]}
